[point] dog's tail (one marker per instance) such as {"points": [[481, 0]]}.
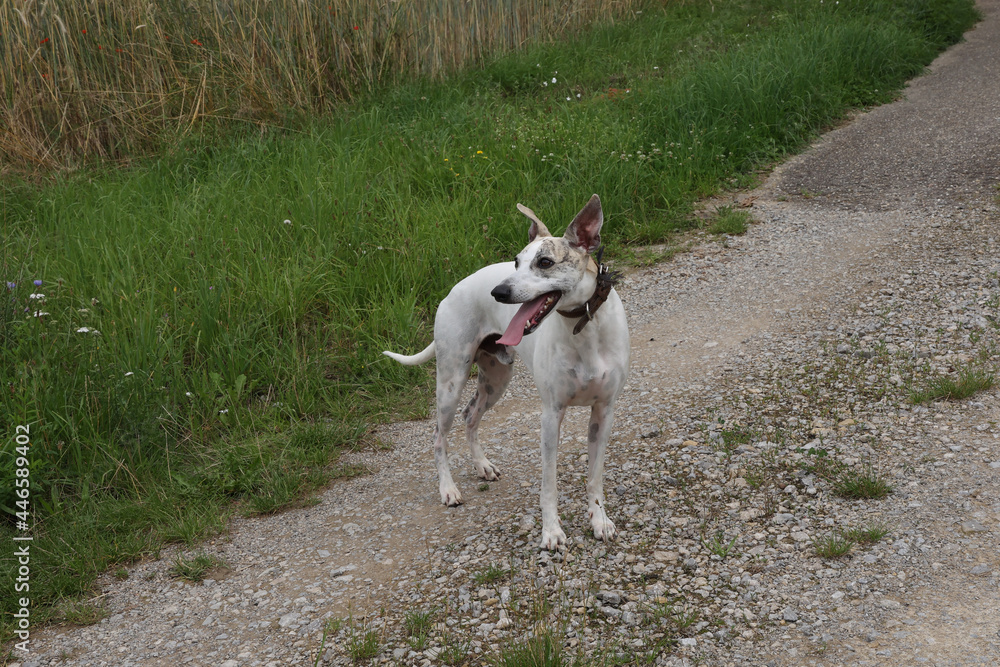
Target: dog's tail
{"points": [[413, 360]]}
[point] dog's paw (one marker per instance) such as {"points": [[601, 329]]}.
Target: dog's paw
{"points": [[451, 496], [487, 470], [604, 528], [553, 540]]}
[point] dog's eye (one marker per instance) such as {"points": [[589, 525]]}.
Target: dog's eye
{"points": [[545, 263], [517, 262]]}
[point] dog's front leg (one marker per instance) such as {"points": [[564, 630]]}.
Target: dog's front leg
{"points": [[598, 433], [553, 536]]}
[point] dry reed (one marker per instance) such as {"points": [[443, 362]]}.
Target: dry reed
{"points": [[106, 78]]}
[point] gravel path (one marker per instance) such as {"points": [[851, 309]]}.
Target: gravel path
{"points": [[768, 372]]}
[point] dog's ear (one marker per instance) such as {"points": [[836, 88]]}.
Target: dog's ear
{"points": [[585, 230], [537, 229]]}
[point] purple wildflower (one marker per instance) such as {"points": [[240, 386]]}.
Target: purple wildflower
{"points": [[38, 283]]}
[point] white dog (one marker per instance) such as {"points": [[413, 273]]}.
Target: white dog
{"points": [[580, 357]]}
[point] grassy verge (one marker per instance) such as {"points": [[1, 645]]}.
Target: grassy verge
{"points": [[212, 319]]}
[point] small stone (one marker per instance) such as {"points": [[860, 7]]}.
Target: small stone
{"points": [[982, 568], [995, 464], [647, 431], [230, 663], [889, 604], [610, 597], [973, 526], [688, 641], [689, 443], [288, 619], [789, 615], [665, 556]]}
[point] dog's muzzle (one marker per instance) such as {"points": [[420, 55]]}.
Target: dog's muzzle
{"points": [[501, 293]]}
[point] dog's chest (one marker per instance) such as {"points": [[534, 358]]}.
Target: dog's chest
{"points": [[585, 384]]}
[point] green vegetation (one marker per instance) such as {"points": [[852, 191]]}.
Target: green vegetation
{"points": [[729, 220], [209, 336], [418, 625], [112, 79], [493, 573], [540, 650], [868, 534], [833, 545], [839, 543], [195, 568], [718, 546], [970, 380], [864, 484], [364, 646]]}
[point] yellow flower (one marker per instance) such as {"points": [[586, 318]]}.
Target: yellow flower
{"points": [[479, 152]]}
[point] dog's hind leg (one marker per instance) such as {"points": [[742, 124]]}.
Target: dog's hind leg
{"points": [[597, 442], [494, 376], [453, 370]]}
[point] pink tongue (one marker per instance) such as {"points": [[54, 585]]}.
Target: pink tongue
{"points": [[515, 330]]}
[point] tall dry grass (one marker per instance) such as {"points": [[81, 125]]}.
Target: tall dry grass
{"points": [[106, 78]]}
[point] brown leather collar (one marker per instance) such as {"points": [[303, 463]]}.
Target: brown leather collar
{"points": [[606, 280]]}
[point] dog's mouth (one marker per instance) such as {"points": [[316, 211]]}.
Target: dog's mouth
{"points": [[528, 317]]}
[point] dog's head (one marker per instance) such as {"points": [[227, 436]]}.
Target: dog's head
{"points": [[551, 269]]}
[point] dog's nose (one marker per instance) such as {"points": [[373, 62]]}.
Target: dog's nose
{"points": [[501, 293]]}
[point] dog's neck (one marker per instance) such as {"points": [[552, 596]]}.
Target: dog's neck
{"points": [[606, 280]]}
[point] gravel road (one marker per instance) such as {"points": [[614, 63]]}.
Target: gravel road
{"points": [[770, 371]]}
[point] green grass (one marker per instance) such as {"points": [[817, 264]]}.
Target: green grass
{"points": [[540, 650], [417, 625], [868, 534], [970, 380], [833, 545], [491, 575], [718, 546], [80, 612], [364, 646], [866, 483], [730, 221], [239, 354], [195, 568]]}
